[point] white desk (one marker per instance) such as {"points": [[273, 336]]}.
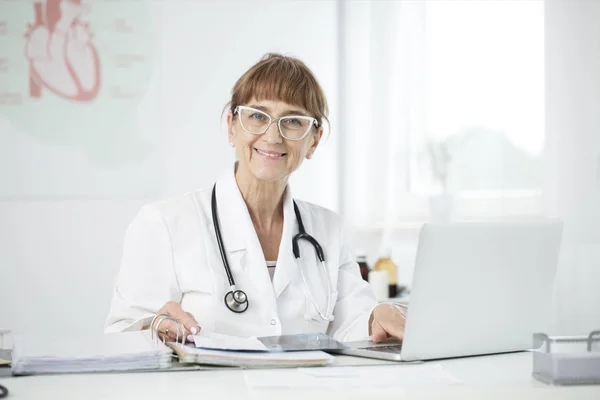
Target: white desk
{"points": [[506, 376]]}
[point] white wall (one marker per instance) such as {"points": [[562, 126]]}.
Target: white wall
{"points": [[573, 157], [206, 46], [59, 254]]}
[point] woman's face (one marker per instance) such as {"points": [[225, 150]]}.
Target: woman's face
{"points": [[269, 156]]}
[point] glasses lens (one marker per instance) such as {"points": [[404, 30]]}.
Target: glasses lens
{"points": [[295, 127], [254, 121]]}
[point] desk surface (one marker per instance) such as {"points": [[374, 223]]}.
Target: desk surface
{"points": [[506, 376]]}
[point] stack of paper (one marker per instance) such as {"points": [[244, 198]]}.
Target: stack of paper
{"points": [[250, 359], [96, 353]]}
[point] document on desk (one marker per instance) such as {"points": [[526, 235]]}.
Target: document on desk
{"points": [[403, 376], [217, 341], [250, 359]]}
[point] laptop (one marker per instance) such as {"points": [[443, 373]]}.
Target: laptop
{"points": [[478, 288]]}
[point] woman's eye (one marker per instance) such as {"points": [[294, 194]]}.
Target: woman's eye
{"points": [[257, 116], [292, 122]]}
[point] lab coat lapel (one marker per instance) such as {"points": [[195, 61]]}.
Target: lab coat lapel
{"points": [[310, 264], [288, 268], [232, 214], [286, 263], [243, 249]]}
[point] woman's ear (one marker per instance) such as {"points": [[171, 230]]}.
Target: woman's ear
{"points": [[230, 128], [316, 139]]}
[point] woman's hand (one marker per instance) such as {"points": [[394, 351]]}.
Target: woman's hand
{"points": [[167, 330], [386, 321]]}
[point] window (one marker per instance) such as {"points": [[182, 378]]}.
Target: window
{"points": [[456, 106]]}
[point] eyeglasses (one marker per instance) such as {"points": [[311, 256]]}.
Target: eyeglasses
{"points": [[291, 127]]}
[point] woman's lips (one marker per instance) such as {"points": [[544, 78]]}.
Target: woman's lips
{"points": [[270, 154]]}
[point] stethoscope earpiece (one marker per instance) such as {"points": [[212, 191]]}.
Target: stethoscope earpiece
{"points": [[236, 301]]}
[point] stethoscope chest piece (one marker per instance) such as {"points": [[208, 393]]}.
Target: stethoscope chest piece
{"points": [[236, 301]]}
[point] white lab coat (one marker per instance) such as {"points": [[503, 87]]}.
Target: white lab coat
{"points": [[171, 254]]}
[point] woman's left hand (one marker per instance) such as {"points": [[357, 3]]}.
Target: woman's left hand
{"points": [[386, 321]]}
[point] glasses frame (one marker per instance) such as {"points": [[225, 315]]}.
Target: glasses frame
{"points": [[313, 121]]}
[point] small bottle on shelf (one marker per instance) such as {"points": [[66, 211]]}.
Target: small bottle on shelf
{"points": [[361, 259], [385, 263]]}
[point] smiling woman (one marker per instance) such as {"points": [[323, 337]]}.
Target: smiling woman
{"points": [[279, 103], [272, 151], [187, 259]]}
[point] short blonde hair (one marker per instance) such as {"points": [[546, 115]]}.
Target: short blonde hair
{"points": [[283, 78]]}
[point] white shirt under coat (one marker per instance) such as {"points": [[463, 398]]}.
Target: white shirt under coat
{"points": [[171, 254]]}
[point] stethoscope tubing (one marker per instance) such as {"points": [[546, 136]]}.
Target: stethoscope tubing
{"points": [[213, 207], [241, 306]]}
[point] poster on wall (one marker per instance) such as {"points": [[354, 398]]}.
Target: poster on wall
{"points": [[79, 98]]}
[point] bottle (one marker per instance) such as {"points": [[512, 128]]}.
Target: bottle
{"points": [[361, 259], [385, 263], [379, 283]]}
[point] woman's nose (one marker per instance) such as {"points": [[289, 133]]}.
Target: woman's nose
{"points": [[272, 135]]}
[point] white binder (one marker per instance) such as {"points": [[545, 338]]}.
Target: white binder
{"points": [[93, 353]]}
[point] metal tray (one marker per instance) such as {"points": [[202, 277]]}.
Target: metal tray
{"points": [[567, 360]]}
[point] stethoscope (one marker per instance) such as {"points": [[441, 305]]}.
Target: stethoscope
{"points": [[236, 300]]}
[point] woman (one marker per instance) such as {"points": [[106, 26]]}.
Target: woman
{"points": [[172, 263]]}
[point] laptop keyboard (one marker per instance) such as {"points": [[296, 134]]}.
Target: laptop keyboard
{"points": [[395, 349]]}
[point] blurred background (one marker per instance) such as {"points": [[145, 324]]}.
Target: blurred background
{"points": [[440, 110]]}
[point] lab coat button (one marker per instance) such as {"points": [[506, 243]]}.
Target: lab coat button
{"points": [[273, 322]]}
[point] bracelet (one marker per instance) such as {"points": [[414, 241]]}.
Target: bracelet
{"points": [[161, 318]]}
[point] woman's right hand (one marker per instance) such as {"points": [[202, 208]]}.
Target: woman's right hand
{"points": [[167, 330]]}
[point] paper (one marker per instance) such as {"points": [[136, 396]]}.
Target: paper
{"points": [[211, 340], [251, 359], [40, 354], [359, 377]]}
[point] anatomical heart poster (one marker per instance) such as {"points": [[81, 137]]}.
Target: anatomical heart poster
{"points": [[79, 98]]}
